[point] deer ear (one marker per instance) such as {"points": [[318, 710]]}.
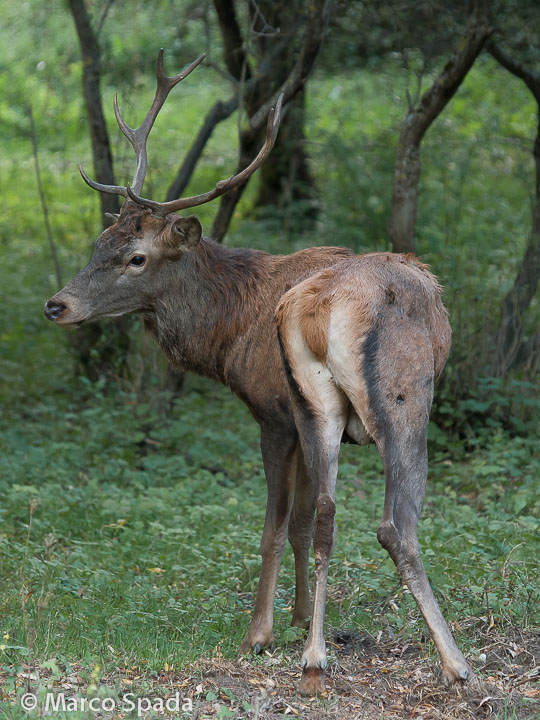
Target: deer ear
{"points": [[186, 233]]}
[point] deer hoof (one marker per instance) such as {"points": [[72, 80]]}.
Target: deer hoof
{"points": [[312, 681], [461, 672], [256, 647]]}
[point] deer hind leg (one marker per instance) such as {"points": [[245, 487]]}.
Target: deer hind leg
{"points": [[280, 462], [397, 368], [300, 536], [321, 411]]}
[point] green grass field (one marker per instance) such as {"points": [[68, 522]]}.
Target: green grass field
{"points": [[129, 536], [131, 541]]}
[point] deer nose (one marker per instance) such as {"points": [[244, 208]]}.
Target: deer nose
{"points": [[53, 309]]}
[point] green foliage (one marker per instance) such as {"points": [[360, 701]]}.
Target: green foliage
{"points": [[124, 528], [495, 406], [477, 176], [119, 527], [121, 524]]}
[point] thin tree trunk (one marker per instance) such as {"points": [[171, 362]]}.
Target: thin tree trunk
{"points": [[238, 66], [510, 349], [44, 208], [101, 149], [233, 43], [402, 227]]}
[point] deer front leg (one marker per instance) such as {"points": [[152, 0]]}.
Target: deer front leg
{"points": [[300, 537], [279, 460]]}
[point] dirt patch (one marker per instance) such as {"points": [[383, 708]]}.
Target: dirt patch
{"points": [[368, 680], [376, 681]]}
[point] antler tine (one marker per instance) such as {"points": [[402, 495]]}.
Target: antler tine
{"points": [[223, 186], [111, 189], [138, 136]]}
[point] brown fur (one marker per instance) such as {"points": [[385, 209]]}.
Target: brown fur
{"points": [[314, 312], [359, 342], [368, 368], [368, 284]]}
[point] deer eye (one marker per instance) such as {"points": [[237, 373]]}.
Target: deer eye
{"points": [[137, 260]]}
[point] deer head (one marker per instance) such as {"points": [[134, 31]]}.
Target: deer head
{"points": [[128, 266], [132, 256]]}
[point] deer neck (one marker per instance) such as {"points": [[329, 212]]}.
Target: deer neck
{"points": [[210, 299]]}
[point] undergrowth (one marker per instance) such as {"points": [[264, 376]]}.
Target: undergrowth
{"points": [[127, 535]]}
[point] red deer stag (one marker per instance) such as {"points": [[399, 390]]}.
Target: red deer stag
{"points": [[360, 341]]}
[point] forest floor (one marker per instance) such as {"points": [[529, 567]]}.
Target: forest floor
{"points": [[129, 564], [370, 680]]}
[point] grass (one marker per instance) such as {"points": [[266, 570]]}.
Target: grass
{"points": [[128, 540]]}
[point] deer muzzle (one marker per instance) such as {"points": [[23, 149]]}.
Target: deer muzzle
{"points": [[53, 310]]}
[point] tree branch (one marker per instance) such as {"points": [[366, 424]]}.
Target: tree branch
{"points": [[532, 80], [510, 348], [316, 25], [434, 100], [315, 30], [101, 151], [103, 16], [220, 111], [517, 68], [402, 227]]}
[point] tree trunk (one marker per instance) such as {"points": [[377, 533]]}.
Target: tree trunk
{"points": [[259, 93], [233, 42], [101, 150], [510, 348], [285, 176], [100, 350], [402, 226]]}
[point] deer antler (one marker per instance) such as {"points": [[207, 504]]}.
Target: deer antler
{"points": [[223, 186], [138, 137]]}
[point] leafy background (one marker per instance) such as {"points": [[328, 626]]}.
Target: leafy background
{"points": [[128, 525]]}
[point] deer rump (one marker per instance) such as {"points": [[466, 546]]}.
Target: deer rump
{"points": [[332, 328]]}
